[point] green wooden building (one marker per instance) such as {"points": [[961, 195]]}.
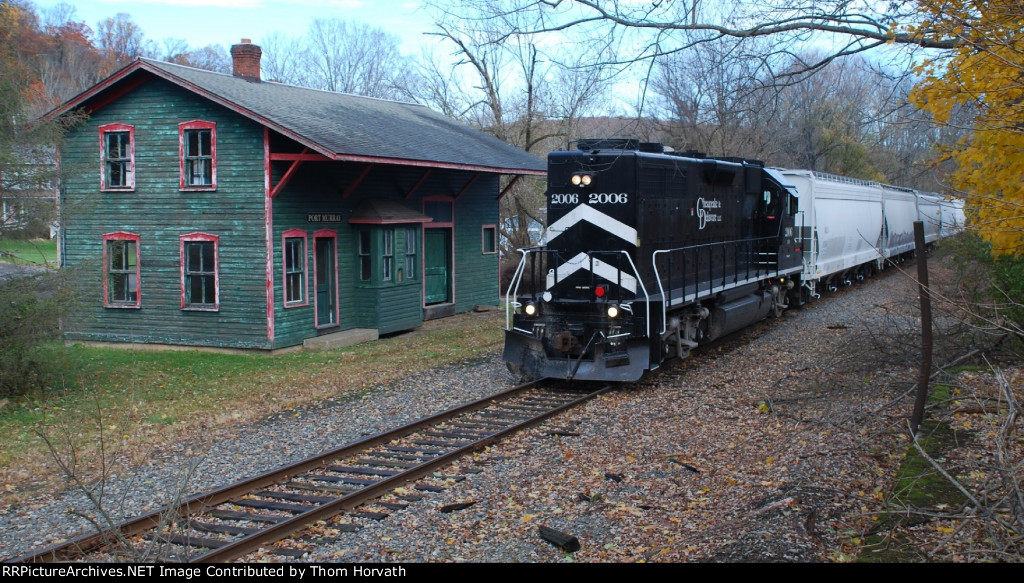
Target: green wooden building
{"points": [[225, 211]]}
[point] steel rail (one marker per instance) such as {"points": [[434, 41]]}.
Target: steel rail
{"points": [[350, 501], [200, 503]]}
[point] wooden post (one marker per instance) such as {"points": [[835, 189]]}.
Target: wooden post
{"points": [[926, 329]]}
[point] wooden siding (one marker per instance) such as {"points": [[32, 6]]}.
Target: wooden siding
{"points": [[476, 273], [318, 187], [159, 213]]}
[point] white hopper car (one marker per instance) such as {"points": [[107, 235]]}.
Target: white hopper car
{"points": [[851, 228]]}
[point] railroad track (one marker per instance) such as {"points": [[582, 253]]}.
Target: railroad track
{"points": [[235, 520]]}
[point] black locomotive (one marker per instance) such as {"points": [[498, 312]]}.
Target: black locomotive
{"points": [[649, 253]]}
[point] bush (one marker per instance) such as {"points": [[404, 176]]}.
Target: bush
{"points": [[994, 286], [30, 308], [1008, 274]]}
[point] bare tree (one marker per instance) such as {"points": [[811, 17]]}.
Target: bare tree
{"points": [[656, 29], [343, 56], [439, 85], [508, 85], [905, 138], [714, 101], [121, 40], [284, 59], [211, 57], [821, 123]]}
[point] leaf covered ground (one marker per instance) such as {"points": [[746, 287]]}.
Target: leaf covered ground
{"points": [[789, 442]]}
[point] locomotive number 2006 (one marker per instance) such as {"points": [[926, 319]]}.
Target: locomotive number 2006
{"points": [[594, 198]]}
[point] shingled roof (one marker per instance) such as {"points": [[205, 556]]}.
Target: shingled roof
{"points": [[338, 125]]}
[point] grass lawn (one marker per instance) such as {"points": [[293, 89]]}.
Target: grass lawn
{"points": [[133, 402], [34, 251]]}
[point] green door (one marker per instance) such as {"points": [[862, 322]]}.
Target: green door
{"points": [[326, 293], [436, 266]]}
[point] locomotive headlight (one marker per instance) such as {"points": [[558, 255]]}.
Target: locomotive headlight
{"points": [[581, 179], [613, 311], [530, 309]]}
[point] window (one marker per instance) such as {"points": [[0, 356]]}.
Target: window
{"points": [[381, 254], [200, 285], [387, 254], [13, 211], [117, 153], [490, 240], [295, 267], [121, 263], [410, 253], [198, 150], [365, 261]]}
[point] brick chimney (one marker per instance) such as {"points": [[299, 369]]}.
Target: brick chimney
{"points": [[246, 60]]}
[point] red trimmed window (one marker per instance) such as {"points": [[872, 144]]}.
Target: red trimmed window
{"points": [[117, 157], [121, 270], [296, 266], [197, 145], [200, 277]]}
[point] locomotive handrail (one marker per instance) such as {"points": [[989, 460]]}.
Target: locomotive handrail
{"points": [[736, 243], [511, 298], [639, 281]]}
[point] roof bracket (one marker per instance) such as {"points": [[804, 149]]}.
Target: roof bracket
{"points": [[287, 176], [419, 183], [355, 183], [509, 185], [472, 181]]}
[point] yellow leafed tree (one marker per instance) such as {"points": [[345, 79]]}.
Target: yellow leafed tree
{"points": [[981, 80]]}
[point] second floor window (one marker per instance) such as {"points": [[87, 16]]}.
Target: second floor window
{"points": [[198, 155], [118, 153]]}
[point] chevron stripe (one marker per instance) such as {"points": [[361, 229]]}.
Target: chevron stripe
{"points": [[605, 270], [595, 217]]}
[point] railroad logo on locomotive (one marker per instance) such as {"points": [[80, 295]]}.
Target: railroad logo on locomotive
{"points": [[704, 216]]}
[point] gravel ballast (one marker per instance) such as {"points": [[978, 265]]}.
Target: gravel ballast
{"points": [[779, 445]]}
